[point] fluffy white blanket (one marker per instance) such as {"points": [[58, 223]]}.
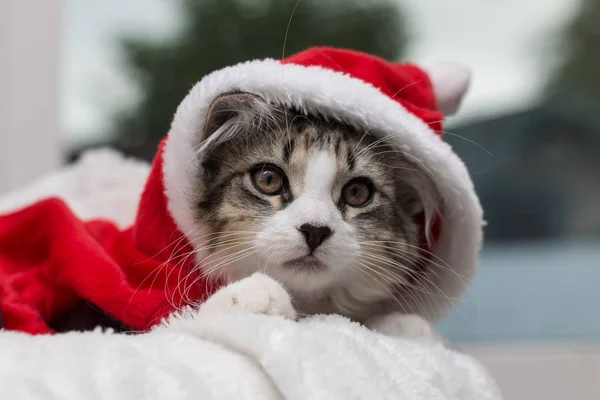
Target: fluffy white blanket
{"points": [[229, 355]]}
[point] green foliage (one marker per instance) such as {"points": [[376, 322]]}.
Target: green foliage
{"points": [[217, 33], [578, 73]]}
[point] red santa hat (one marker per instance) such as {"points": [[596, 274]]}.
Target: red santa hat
{"points": [[400, 101], [396, 100]]}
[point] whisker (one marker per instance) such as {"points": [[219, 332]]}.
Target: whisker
{"points": [[287, 29], [442, 264], [393, 264], [208, 270], [375, 278], [470, 141], [410, 258]]}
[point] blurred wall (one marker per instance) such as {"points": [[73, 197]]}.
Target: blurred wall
{"points": [[29, 53]]}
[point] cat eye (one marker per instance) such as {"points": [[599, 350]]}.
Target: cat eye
{"points": [[358, 192], [268, 179]]}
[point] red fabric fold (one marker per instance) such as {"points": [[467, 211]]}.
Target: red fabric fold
{"points": [[50, 260], [404, 83]]}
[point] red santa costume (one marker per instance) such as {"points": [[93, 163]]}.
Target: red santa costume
{"points": [[50, 261]]}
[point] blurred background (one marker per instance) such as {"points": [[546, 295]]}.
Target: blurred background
{"points": [[79, 74]]}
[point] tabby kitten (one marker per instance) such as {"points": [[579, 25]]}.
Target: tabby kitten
{"points": [[334, 214]]}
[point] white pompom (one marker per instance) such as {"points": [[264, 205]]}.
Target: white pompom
{"points": [[450, 84]]}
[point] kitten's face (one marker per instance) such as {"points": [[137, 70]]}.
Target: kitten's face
{"points": [[318, 206]]}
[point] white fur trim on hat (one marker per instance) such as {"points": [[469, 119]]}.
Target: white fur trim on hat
{"points": [[324, 92]]}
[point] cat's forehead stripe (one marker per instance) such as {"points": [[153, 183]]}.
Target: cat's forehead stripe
{"points": [[320, 173]]}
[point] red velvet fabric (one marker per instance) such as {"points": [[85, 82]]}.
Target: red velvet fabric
{"points": [[50, 260], [405, 83]]}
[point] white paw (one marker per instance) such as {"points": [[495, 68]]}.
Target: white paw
{"points": [[401, 325], [258, 294]]}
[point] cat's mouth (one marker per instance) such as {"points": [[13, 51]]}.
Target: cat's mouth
{"points": [[306, 263]]}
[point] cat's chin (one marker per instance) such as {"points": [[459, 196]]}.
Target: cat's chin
{"points": [[305, 264], [304, 277], [304, 274]]}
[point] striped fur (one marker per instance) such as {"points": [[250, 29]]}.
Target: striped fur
{"points": [[372, 256]]}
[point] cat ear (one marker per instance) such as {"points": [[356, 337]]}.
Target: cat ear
{"points": [[450, 84], [228, 107]]}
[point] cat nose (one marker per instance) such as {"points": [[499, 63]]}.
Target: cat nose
{"points": [[314, 235]]}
